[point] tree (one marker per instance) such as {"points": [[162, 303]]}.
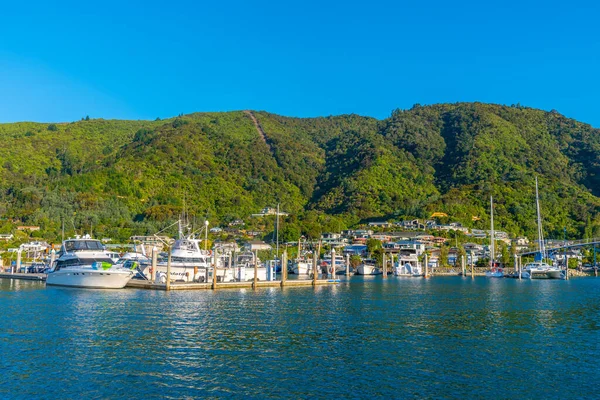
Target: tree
{"points": [[87, 117], [373, 244], [355, 261], [504, 255], [290, 232], [52, 127], [443, 259]]}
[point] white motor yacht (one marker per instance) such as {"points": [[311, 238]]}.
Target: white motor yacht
{"points": [[84, 263], [368, 268], [408, 265]]}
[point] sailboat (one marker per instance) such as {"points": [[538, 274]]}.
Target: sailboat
{"points": [[494, 272], [539, 268]]}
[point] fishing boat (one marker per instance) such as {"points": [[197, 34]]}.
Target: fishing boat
{"points": [[368, 267], [495, 271], [188, 262], [538, 268], [84, 263]]}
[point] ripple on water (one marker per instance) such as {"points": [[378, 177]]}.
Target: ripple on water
{"points": [[444, 337]]}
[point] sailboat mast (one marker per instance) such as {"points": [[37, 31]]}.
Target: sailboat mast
{"points": [[277, 235], [492, 239], [539, 221]]}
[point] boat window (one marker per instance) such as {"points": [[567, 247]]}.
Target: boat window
{"points": [[72, 245], [94, 245]]}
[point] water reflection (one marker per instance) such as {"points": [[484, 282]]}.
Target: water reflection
{"points": [[441, 337]]}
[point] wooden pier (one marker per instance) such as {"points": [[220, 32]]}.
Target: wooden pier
{"points": [[141, 284], [21, 276]]}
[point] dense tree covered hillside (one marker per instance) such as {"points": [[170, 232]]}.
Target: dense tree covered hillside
{"points": [[134, 177]]}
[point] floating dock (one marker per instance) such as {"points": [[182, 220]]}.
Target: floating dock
{"points": [[142, 284], [21, 276]]}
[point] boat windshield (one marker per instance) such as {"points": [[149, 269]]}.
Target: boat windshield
{"points": [[72, 262], [74, 245]]}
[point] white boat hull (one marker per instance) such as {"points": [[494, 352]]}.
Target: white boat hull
{"points": [[179, 273], [368, 270], [555, 274], [407, 270], [89, 278], [546, 273], [302, 268], [494, 274]]}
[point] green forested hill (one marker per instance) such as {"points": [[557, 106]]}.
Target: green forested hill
{"points": [[126, 177]]}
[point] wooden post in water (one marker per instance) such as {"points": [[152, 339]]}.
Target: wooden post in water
{"points": [[462, 264], [384, 265], [154, 264], [566, 267], [284, 268], [168, 282], [472, 266], [214, 268], [52, 258], [254, 284], [332, 267], [426, 266], [348, 264], [314, 268], [519, 263], [19, 261]]}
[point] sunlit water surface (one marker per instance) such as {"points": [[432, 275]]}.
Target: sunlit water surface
{"points": [[366, 338]]}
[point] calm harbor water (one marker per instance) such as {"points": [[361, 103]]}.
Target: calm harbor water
{"points": [[447, 337]]}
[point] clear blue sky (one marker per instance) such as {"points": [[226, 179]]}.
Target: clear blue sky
{"points": [[143, 59]]}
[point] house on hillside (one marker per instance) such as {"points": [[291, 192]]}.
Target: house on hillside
{"points": [[356, 249], [30, 228], [379, 224], [412, 224], [257, 245], [269, 211], [7, 237]]}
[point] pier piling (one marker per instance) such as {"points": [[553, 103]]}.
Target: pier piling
{"points": [[314, 268], [168, 283], [154, 263], [19, 261], [284, 257], [472, 266], [332, 267], [348, 264], [254, 285]]}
